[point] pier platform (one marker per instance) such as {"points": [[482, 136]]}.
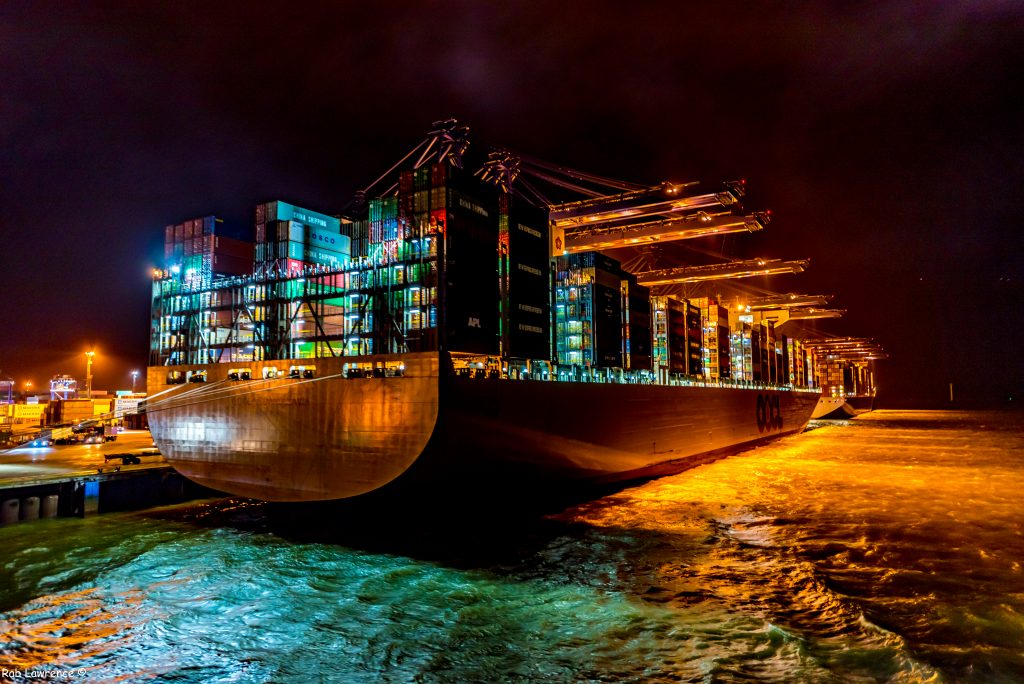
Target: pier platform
{"points": [[85, 479]]}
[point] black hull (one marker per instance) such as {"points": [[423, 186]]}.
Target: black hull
{"points": [[861, 404]]}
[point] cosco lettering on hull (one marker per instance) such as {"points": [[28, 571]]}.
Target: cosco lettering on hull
{"points": [[769, 413]]}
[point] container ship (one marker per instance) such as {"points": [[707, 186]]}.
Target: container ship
{"points": [[464, 320], [845, 371]]}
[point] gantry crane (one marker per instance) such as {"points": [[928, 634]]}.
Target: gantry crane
{"points": [[730, 269]]}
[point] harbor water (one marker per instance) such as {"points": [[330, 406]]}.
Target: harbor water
{"points": [[885, 548]]}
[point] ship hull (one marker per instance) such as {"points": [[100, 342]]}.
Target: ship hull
{"points": [[288, 439], [861, 403], [827, 406], [842, 408], [605, 432], [338, 437]]}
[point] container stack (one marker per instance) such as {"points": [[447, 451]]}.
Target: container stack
{"points": [[741, 349], [441, 208], [358, 234], [782, 360], [772, 352], [766, 346], [64, 411], [288, 238], [842, 376], [525, 279], [797, 362], [588, 310], [831, 377], [472, 296], [206, 248], [715, 338], [659, 335], [694, 340], [757, 342], [384, 230], [636, 324], [678, 337]]}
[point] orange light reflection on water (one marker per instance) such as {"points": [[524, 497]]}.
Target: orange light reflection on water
{"points": [[62, 629]]}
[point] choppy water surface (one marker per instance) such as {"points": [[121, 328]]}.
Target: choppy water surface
{"points": [[886, 548]]}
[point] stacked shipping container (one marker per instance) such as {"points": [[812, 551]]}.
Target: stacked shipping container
{"points": [[588, 310], [330, 286], [636, 324], [525, 280], [715, 338], [290, 237], [206, 248], [677, 337]]}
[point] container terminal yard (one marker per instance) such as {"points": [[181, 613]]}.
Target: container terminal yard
{"points": [[78, 456]]}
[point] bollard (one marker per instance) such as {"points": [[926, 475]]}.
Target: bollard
{"points": [[9, 511], [48, 508], [29, 508]]}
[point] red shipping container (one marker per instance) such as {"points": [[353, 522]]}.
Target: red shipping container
{"points": [[227, 265], [438, 221], [405, 181], [230, 247], [439, 174]]}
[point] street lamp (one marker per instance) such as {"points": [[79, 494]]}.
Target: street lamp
{"points": [[88, 374], [28, 387], [135, 374]]}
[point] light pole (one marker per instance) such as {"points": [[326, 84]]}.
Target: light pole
{"points": [[88, 374], [135, 374], [28, 387]]}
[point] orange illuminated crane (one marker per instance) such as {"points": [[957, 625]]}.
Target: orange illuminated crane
{"points": [[730, 269]]}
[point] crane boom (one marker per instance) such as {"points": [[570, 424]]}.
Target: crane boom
{"points": [[812, 312], [614, 208], [688, 227], [787, 301], [728, 270]]}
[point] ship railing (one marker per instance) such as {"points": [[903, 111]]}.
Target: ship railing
{"points": [[483, 367]]}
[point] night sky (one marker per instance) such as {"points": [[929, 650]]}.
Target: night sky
{"points": [[887, 138]]}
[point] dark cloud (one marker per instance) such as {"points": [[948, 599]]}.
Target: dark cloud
{"points": [[885, 136]]}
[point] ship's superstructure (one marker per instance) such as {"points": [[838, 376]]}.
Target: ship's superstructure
{"points": [[462, 320]]}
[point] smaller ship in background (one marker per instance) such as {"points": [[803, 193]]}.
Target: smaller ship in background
{"points": [[846, 374]]}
